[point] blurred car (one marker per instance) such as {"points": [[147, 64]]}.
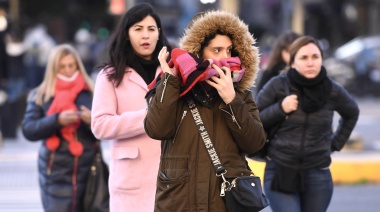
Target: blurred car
{"points": [[356, 65], [340, 71]]}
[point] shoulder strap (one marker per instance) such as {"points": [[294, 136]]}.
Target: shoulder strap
{"points": [[274, 129], [218, 167], [285, 82]]}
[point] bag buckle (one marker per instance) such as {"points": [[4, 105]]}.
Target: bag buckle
{"points": [[225, 184]]}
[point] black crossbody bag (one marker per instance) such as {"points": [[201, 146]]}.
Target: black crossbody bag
{"points": [[241, 194]]}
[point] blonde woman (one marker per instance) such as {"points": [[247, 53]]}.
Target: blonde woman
{"points": [[58, 113]]}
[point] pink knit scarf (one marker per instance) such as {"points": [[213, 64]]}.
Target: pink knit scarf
{"points": [[192, 69]]}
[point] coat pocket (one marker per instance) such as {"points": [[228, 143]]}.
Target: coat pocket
{"points": [[127, 170], [172, 194]]}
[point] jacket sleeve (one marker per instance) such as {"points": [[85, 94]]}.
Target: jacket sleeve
{"points": [[269, 101], [348, 110], [160, 121], [106, 123], [84, 98], [35, 125], [265, 77], [242, 117]]}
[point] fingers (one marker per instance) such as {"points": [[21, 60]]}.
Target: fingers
{"points": [[293, 106], [162, 58], [290, 103], [84, 108], [293, 102], [163, 54], [67, 117], [85, 112], [222, 71], [227, 71], [212, 83], [223, 78], [223, 84]]}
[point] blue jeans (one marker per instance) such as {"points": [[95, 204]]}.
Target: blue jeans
{"points": [[316, 197]]}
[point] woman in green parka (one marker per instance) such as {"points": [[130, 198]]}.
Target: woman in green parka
{"points": [[216, 66]]}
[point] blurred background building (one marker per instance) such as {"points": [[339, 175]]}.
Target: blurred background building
{"points": [[347, 29], [336, 21]]}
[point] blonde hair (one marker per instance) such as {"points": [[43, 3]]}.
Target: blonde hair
{"points": [[45, 91]]}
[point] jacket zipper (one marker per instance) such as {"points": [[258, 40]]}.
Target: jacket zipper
{"points": [[303, 138], [74, 183], [74, 178], [232, 116], [176, 132], [164, 83]]}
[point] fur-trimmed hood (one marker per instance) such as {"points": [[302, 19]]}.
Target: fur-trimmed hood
{"points": [[242, 41]]}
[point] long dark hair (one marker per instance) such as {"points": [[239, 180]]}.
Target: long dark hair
{"points": [[121, 52], [283, 42]]}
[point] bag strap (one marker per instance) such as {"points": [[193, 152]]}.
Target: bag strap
{"points": [[216, 162], [285, 83], [98, 148]]}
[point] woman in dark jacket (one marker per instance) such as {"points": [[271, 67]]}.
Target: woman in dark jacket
{"points": [[187, 180], [58, 112], [297, 174]]}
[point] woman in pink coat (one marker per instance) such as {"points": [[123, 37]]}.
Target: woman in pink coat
{"points": [[119, 109]]}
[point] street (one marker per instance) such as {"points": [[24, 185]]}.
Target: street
{"points": [[19, 189], [367, 127]]}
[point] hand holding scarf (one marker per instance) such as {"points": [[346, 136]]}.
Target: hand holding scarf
{"points": [[192, 69]]}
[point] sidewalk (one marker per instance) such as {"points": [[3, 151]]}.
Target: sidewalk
{"points": [[19, 189], [22, 150], [359, 160], [348, 167], [353, 174]]}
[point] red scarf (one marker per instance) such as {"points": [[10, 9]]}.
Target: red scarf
{"points": [[64, 99]]}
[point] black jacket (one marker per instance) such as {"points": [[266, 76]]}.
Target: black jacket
{"points": [[306, 140], [269, 74], [57, 188]]}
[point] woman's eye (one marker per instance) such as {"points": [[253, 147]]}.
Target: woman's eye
{"points": [[216, 50]]}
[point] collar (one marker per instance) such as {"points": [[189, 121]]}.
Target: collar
{"points": [[68, 79]]}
